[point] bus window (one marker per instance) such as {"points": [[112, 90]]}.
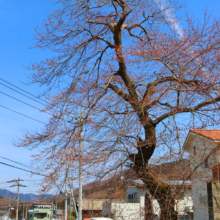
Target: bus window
{"points": [[40, 215]]}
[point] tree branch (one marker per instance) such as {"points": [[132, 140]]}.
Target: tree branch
{"points": [[181, 110], [119, 92]]}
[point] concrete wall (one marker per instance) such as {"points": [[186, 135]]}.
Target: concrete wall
{"points": [[124, 211]]}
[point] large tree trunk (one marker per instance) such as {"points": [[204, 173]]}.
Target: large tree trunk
{"points": [[149, 211], [161, 191]]}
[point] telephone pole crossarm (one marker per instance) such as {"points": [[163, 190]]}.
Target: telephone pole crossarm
{"points": [[18, 184]]}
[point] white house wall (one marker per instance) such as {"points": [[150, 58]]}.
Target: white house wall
{"points": [[123, 211], [127, 211], [141, 194], [184, 205], [135, 211], [201, 175]]}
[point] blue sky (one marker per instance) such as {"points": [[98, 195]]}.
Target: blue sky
{"points": [[17, 21]]}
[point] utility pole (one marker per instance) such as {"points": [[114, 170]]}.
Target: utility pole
{"points": [[17, 184], [56, 210], [51, 210], [66, 178], [72, 196], [70, 209], [80, 164], [80, 169], [23, 207], [9, 207], [22, 211], [26, 213]]}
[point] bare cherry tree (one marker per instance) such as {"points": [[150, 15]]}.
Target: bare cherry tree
{"points": [[138, 82]]}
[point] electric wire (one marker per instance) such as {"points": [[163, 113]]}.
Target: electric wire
{"points": [[37, 173], [3, 182], [23, 102], [27, 166], [6, 115], [32, 172], [24, 91], [22, 114], [28, 103], [23, 94]]}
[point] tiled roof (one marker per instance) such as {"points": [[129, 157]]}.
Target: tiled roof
{"points": [[213, 134]]}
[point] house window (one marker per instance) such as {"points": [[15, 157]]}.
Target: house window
{"points": [[133, 198], [205, 164], [130, 198]]}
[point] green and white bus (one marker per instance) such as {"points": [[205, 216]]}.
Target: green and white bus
{"points": [[41, 211]]}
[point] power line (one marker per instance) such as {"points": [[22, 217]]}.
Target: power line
{"points": [[3, 182], [17, 119], [23, 102], [37, 173], [28, 103], [22, 114], [7, 187], [24, 90], [57, 108], [24, 94], [27, 166], [22, 169]]}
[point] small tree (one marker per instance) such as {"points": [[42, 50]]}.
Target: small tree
{"points": [[138, 82], [73, 215]]}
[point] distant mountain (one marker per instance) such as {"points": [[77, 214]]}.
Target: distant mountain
{"points": [[24, 197]]}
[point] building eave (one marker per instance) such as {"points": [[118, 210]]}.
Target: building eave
{"points": [[191, 135], [188, 140]]}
